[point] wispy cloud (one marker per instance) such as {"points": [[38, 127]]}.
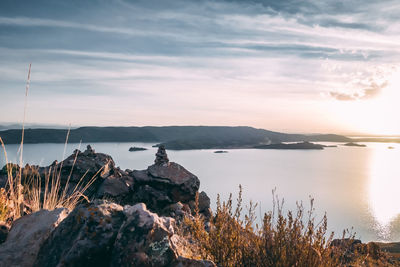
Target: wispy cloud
{"points": [[38, 22], [258, 58], [363, 84]]}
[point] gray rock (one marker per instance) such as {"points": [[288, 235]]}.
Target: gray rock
{"points": [[176, 210], [161, 156], [141, 177], [204, 202], [4, 229], [155, 198], [184, 184], [144, 239], [163, 184], [27, 236], [116, 188], [84, 238], [87, 162]]}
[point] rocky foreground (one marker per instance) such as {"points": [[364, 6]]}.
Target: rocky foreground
{"points": [[129, 222]]}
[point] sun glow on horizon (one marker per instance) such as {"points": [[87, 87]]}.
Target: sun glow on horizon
{"points": [[377, 115]]}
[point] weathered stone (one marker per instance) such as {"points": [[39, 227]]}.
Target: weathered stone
{"points": [[156, 199], [163, 184], [141, 177], [184, 184], [103, 233], [27, 236], [144, 239], [84, 238], [116, 188], [87, 164], [175, 210], [204, 202]]}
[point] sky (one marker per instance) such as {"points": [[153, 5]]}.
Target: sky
{"points": [[294, 66]]}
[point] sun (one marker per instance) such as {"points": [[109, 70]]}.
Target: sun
{"points": [[377, 115]]}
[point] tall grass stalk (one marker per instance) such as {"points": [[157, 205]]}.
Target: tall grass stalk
{"points": [[26, 192]]}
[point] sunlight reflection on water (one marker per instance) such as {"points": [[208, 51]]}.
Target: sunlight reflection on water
{"points": [[384, 189]]}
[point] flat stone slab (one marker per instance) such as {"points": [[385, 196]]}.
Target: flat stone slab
{"points": [[173, 172]]}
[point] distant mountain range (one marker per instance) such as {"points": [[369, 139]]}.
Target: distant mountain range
{"points": [[15, 126], [173, 137]]}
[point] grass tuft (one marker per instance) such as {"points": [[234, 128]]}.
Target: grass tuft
{"points": [[29, 191]]}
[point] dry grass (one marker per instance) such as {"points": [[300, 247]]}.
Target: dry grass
{"points": [[232, 238], [26, 191]]}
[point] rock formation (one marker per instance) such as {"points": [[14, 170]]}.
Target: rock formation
{"points": [[134, 227], [27, 235], [105, 234], [84, 238], [161, 156]]}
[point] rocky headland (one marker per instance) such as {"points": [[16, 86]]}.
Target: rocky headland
{"points": [[130, 220]]}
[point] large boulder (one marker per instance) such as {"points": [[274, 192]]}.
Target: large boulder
{"points": [[183, 183], [145, 239], [27, 236], [84, 238], [105, 234], [82, 167], [160, 185], [204, 202], [115, 188]]}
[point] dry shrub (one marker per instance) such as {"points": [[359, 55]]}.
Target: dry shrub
{"points": [[232, 238]]}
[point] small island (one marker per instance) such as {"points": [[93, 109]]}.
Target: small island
{"points": [[301, 145], [354, 144], [134, 148], [220, 151]]}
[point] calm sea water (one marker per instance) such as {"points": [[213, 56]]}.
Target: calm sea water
{"points": [[357, 187]]}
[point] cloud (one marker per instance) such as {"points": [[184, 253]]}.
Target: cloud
{"points": [[369, 92], [258, 55], [342, 96], [38, 22]]}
